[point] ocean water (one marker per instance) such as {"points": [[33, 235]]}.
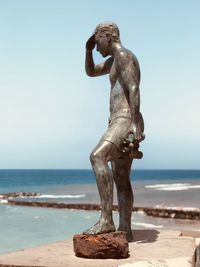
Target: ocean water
{"points": [[22, 227], [150, 187]]}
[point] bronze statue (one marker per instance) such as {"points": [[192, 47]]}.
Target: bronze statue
{"points": [[119, 145]]}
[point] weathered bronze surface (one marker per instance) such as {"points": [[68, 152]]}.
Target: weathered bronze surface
{"points": [[120, 144]]}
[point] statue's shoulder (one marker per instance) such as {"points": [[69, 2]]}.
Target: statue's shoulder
{"points": [[125, 53], [132, 58], [131, 54], [126, 57]]}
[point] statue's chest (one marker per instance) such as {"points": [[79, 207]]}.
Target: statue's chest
{"points": [[113, 75], [117, 90]]}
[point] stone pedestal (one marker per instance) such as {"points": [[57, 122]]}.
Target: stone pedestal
{"points": [[102, 246]]}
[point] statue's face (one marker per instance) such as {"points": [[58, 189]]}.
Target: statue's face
{"points": [[102, 43]]}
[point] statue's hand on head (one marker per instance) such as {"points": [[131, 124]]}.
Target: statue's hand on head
{"points": [[137, 132], [90, 44]]}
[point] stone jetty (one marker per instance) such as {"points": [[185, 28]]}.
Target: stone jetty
{"points": [[163, 212]]}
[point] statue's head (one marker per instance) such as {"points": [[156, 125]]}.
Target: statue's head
{"points": [[108, 29], [105, 34]]}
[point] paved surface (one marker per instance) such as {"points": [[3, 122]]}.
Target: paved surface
{"points": [[151, 248]]}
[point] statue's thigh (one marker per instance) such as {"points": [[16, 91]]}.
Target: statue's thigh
{"points": [[117, 132]]}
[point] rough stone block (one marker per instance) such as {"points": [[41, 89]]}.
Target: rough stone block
{"points": [[102, 246]]}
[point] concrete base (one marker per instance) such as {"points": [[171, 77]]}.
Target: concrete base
{"points": [[151, 248]]}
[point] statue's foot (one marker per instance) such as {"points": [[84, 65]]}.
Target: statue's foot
{"points": [[100, 227], [129, 233]]}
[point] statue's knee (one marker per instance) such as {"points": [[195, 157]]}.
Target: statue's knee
{"points": [[95, 157], [101, 154]]}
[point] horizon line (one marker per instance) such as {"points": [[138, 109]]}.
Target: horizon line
{"points": [[90, 169]]}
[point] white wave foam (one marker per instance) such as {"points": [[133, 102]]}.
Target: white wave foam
{"points": [[147, 225], [177, 208], [3, 201], [140, 212], [87, 217], [61, 196], [172, 187]]}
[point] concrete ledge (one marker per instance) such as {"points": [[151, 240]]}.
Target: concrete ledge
{"points": [[151, 248]]}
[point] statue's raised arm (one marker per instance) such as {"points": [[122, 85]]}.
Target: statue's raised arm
{"points": [[91, 69]]}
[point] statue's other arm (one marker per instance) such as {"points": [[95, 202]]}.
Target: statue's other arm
{"points": [[130, 80], [91, 69]]}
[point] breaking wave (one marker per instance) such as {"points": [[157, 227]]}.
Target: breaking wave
{"points": [[172, 187], [3, 201], [61, 196], [177, 208], [147, 225]]}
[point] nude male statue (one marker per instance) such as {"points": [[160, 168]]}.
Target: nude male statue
{"points": [[119, 145]]}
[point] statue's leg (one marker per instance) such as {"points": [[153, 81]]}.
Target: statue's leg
{"points": [[121, 172], [100, 157]]}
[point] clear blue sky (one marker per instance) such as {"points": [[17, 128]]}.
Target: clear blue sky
{"points": [[52, 114]]}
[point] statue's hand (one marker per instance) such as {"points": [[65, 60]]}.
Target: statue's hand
{"points": [[137, 132], [90, 44]]}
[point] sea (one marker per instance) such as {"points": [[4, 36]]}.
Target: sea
{"points": [[26, 227]]}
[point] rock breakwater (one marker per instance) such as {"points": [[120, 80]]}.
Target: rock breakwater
{"points": [[19, 194], [163, 212]]}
